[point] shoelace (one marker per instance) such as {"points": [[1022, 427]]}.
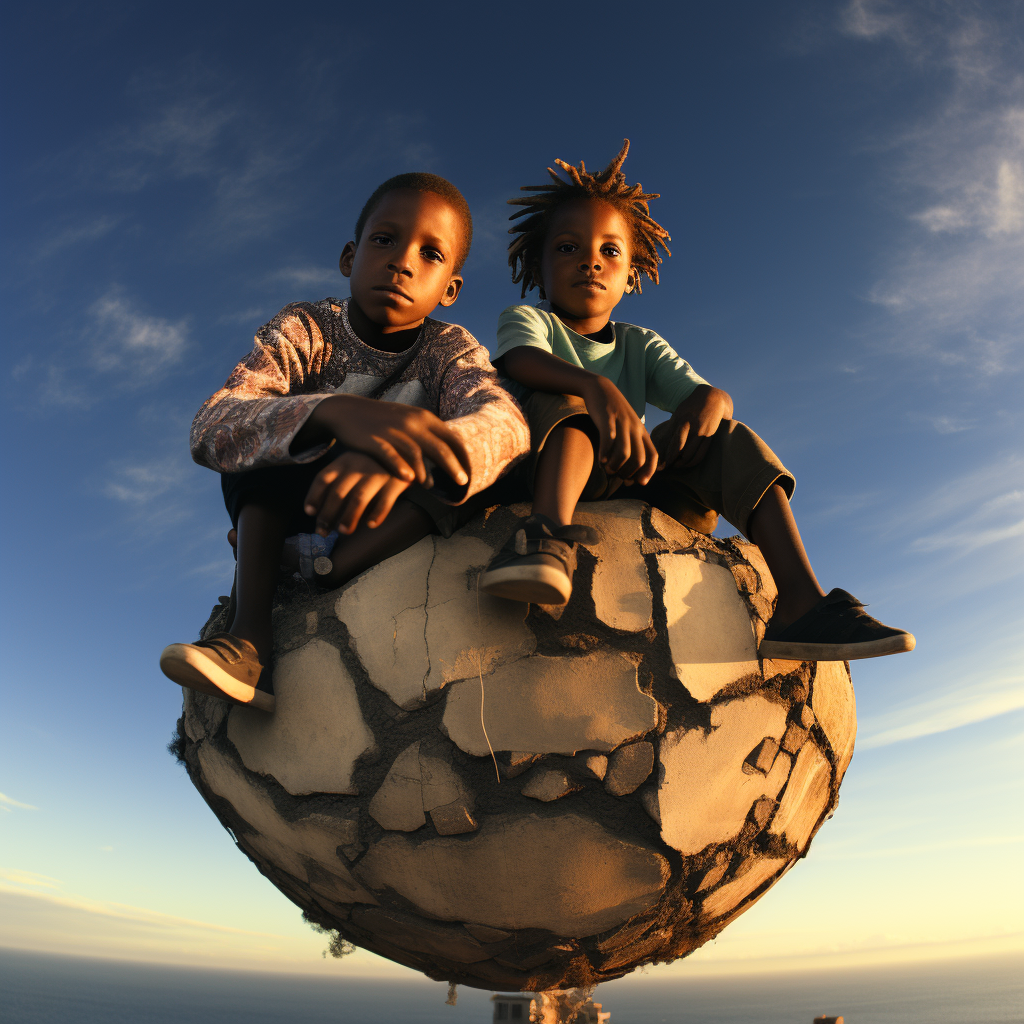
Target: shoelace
{"points": [[226, 646]]}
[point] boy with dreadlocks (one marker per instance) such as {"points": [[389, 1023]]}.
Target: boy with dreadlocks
{"points": [[585, 381]]}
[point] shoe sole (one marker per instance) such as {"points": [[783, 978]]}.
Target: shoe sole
{"points": [[187, 667], [533, 584], [782, 650]]}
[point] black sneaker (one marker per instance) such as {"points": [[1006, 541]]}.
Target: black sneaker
{"points": [[537, 562], [836, 629]]}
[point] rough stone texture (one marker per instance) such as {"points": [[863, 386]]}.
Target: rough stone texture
{"points": [[564, 874], [705, 795], [709, 631], [668, 779], [628, 768], [549, 785], [621, 590], [833, 704], [441, 628], [313, 740], [551, 706], [806, 797], [419, 783]]}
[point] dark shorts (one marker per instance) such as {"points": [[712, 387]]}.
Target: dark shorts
{"points": [[284, 489], [729, 481]]}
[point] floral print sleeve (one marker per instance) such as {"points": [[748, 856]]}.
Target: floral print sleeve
{"points": [[254, 418], [310, 351]]}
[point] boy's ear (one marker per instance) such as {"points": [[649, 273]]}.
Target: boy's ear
{"points": [[630, 281], [451, 292], [348, 254]]}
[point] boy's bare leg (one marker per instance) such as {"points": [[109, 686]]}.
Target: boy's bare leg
{"points": [[259, 541], [563, 469], [807, 624], [773, 529], [358, 551], [537, 563]]}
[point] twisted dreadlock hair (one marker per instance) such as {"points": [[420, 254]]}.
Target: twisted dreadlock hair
{"points": [[609, 186]]}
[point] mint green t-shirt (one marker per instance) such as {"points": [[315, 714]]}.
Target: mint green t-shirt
{"points": [[640, 363]]}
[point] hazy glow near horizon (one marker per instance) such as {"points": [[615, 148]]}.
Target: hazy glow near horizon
{"points": [[845, 184]]}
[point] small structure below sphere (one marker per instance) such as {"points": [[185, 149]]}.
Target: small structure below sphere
{"points": [[541, 1008]]}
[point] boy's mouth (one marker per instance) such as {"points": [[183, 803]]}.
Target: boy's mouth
{"points": [[393, 290], [590, 283]]}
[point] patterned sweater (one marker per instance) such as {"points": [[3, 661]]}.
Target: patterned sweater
{"points": [[309, 351]]}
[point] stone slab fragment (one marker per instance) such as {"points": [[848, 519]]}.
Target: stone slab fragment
{"points": [[597, 765], [806, 797], [311, 743], [420, 935], [204, 715], [621, 590], [398, 804], [482, 933], [467, 631], [417, 621], [705, 795], [629, 767], [441, 785], [709, 630], [285, 845], [549, 785], [551, 705], [452, 819], [835, 707], [732, 894], [567, 875], [385, 612]]}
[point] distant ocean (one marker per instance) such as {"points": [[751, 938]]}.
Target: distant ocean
{"points": [[39, 989]]}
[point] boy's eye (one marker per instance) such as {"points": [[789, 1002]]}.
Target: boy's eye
{"points": [[433, 254], [381, 239], [568, 247], [611, 250]]}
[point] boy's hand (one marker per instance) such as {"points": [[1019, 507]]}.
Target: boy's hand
{"points": [[626, 449], [683, 440], [399, 438], [351, 488]]}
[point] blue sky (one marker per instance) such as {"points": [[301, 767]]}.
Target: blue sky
{"points": [[844, 184]]}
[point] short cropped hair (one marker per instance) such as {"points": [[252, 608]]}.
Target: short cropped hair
{"points": [[420, 181], [609, 186]]}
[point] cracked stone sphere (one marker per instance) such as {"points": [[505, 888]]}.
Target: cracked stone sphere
{"points": [[523, 797]]}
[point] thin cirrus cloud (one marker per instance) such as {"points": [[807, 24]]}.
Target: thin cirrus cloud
{"points": [[953, 287], [987, 699], [8, 803], [132, 344]]}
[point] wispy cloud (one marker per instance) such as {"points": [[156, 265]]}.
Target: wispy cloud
{"points": [[141, 482], [954, 287], [120, 347], [966, 705], [307, 277], [15, 876], [75, 234], [7, 803], [132, 344]]}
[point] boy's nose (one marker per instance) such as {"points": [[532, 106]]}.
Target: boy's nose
{"points": [[400, 264]]}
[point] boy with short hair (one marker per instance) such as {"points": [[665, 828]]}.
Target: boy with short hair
{"points": [[585, 381], [361, 419]]}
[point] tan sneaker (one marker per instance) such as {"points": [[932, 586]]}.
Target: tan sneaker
{"points": [[221, 666]]}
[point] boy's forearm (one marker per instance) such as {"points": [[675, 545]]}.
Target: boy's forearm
{"points": [[543, 371], [318, 428]]}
